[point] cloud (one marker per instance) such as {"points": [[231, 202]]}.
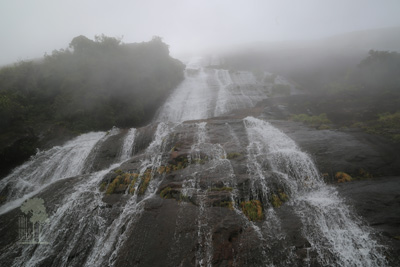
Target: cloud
{"points": [[30, 28]]}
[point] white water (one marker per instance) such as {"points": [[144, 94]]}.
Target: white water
{"points": [[127, 147], [338, 237], [49, 166], [110, 239], [207, 93], [81, 222]]}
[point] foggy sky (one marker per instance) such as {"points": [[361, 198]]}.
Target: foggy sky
{"points": [[29, 28]]}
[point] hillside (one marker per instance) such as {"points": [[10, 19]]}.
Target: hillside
{"points": [[92, 85]]}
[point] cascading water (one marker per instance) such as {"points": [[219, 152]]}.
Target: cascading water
{"points": [[208, 92], [91, 227], [337, 237], [127, 147], [47, 167]]}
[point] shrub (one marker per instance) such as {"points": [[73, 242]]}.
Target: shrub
{"points": [[103, 186], [112, 186], [252, 209], [166, 192], [275, 201], [342, 177], [278, 199], [363, 174], [145, 182], [121, 183], [226, 204]]}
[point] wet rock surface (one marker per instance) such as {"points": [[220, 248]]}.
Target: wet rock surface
{"points": [[377, 201], [192, 209]]}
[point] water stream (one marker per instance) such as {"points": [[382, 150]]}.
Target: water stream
{"points": [[83, 232]]}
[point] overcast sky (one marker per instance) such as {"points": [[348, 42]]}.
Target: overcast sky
{"points": [[29, 28]]}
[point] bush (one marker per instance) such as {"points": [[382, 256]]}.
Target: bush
{"points": [[343, 177], [146, 177], [252, 209], [166, 192]]}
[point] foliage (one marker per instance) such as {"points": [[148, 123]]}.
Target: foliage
{"points": [[121, 183], [226, 204], [166, 192], [275, 201], [146, 177], [252, 209], [343, 177], [103, 186], [94, 85], [278, 199], [386, 124]]}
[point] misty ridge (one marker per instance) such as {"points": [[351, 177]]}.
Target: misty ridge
{"points": [[100, 83]]}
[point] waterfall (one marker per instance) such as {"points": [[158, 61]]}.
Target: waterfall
{"points": [[127, 146], [208, 92], [338, 237], [47, 167], [90, 227], [111, 238]]}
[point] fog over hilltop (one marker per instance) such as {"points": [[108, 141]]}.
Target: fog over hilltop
{"points": [[31, 28]]}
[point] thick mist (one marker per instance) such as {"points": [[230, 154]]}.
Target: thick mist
{"points": [[31, 28]]}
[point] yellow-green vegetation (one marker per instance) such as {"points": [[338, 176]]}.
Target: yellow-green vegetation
{"points": [[172, 167], [103, 186], [200, 160], [184, 198], [120, 183], [119, 171], [112, 186], [319, 121], [166, 192], [343, 177], [233, 155], [135, 177], [252, 209], [283, 196], [397, 237], [225, 188], [172, 193], [386, 124], [226, 204], [146, 177], [363, 174], [277, 199]]}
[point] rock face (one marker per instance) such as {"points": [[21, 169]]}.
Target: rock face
{"points": [[189, 197], [378, 202]]}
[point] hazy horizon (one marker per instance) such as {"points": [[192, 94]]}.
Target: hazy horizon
{"points": [[30, 29]]}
